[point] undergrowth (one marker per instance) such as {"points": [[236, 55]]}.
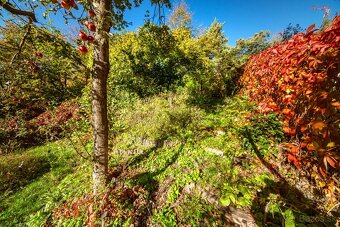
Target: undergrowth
{"points": [[171, 163]]}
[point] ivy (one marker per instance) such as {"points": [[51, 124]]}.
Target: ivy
{"points": [[299, 79]]}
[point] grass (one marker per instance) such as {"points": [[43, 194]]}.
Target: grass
{"points": [[33, 202], [216, 178]]}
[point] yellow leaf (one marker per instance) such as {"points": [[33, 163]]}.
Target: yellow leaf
{"points": [[313, 146], [322, 184], [331, 144], [318, 125]]}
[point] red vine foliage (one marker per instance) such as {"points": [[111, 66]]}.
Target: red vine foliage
{"points": [[300, 80]]}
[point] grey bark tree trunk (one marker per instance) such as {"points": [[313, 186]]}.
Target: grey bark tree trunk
{"points": [[100, 71]]}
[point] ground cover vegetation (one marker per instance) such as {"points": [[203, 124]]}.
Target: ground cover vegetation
{"points": [[200, 133]]}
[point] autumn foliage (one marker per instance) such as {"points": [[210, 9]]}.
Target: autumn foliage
{"points": [[299, 79], [37, 126]]}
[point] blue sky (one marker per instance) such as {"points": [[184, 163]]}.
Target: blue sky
{"points": [[242, 19], [245, 18]]}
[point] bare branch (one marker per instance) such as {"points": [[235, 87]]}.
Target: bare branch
{"points": [[10, 8], [22, 42]]}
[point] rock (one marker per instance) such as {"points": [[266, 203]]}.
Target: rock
{"points": [[215, 151], [240, 217], [220, 133]]}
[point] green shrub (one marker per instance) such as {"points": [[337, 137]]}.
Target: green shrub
{"points": [[157, 59], [262, 133], [161, 117], [145, 62]]}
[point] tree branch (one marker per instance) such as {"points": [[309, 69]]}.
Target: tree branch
{"points": [[10, 8], [22, 42]]}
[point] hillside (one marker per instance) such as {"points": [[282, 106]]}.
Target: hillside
{"points": [[183, 130], [218, 166]]}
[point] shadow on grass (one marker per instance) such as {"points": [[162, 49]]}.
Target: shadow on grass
{"points": [[19, 170], [135, 160], [145, 178], [141, 157], [208, 105], [148, 182], [304, 210]]}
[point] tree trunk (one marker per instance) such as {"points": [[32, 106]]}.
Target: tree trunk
{"points": [[100, 71]]}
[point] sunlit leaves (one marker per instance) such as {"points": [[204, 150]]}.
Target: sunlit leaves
{"points": [[299, 80]]}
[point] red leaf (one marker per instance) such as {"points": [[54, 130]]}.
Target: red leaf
{"points": [[303, 144], [292, 158], [289, 131], [322, 172], [310, 29], [330, 161], [296, 164]]}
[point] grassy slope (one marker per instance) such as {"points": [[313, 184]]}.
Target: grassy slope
{"points": [[212, 168], [31, 203]]}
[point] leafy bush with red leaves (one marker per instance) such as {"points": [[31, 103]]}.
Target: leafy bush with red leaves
{"points": [[62, 113], [300, 80], [34, 127], [115, 203]]}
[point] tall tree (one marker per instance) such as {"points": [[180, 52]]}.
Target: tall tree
{"points": [[108, 14], [100, 71], [180, 16], [253, 45]]}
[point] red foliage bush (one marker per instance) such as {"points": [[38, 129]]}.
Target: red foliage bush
{"points": [[300, 80], [62, 113], [35, 125], [115, 203]]}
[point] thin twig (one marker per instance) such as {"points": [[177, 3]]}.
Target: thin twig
{"points": [[22, 43], [87, 157], [332, 208]]}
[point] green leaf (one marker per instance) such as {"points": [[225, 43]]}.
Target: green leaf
{"points": [[232, 198], [289, 218], [225, 201]]}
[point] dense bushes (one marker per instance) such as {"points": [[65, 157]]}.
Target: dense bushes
{"points": [[36, 75], [46, 69], [158, 59], [299, 79], [32, 126], [144, 62]]}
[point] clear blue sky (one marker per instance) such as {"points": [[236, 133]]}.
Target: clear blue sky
{"points": [[242, 18]]}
